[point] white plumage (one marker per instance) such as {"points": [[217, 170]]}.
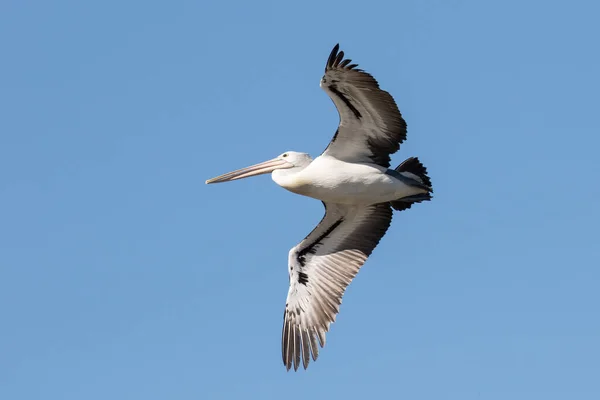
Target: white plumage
{"points": [[353, 180]]}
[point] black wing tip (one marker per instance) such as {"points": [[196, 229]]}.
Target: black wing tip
{"points": [[296, 356], [336, 60], [332, 56]]}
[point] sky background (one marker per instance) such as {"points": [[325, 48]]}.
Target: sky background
{"points": [[124, 276]]}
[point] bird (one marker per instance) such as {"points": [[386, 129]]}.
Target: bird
{"points": [[360, 192]]}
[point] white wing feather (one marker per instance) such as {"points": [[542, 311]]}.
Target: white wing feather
{"points": [[321, 268]]}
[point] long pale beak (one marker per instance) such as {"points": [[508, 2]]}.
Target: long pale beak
{"points": [[258, 169]]}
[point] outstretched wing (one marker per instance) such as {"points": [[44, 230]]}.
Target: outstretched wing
{"points": [[371, 126], [321, 267]]}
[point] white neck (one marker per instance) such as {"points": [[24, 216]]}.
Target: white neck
{"points": [[291, 179]]}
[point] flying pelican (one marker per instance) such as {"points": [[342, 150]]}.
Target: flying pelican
{"points": [[358, 189]]}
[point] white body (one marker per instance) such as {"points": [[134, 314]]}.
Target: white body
{"points": [[331, 180], [359, 193]]}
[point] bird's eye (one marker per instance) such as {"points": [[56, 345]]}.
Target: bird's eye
{"points": [[285, 155]]}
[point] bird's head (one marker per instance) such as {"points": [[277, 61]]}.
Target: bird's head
{"points": [[287, 160]]}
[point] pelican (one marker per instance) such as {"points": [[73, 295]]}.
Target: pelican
{"points": [[353, 179]]}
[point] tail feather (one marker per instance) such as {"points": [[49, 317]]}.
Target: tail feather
{"points": [[414, 167]]}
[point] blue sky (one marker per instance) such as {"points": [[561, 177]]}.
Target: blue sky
{"points": [[124, 276]]}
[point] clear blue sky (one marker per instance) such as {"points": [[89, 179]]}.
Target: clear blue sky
{"points": [[124, 276]]}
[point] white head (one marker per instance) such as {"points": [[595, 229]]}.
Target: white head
{"points": [[286, 163]]}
